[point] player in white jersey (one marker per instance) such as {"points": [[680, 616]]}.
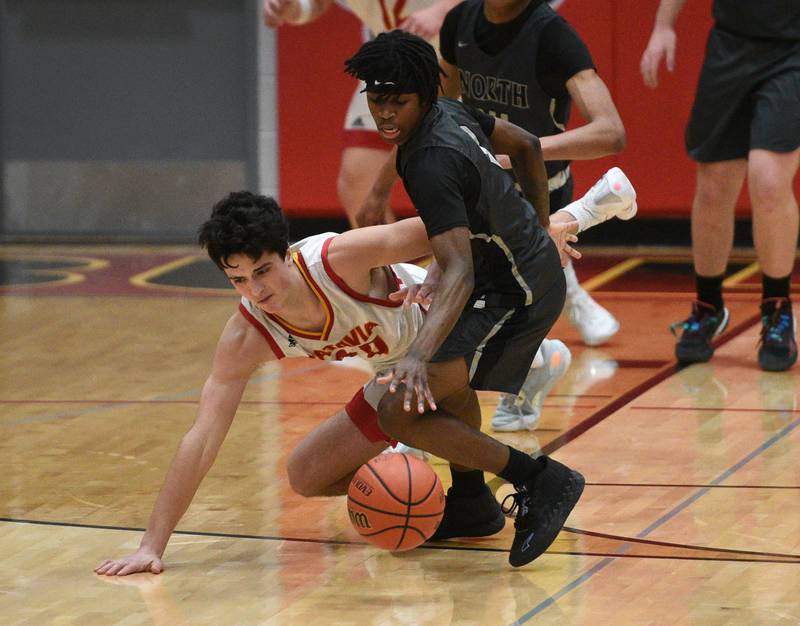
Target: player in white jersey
{"points": [[364, 152], [325, 298]]}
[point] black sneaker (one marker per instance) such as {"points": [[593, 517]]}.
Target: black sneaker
{"points": [[778, 349], [470, 516], [543, 505], [703, 325]]}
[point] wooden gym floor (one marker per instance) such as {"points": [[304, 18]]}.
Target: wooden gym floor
{"points": [[691, 513]]}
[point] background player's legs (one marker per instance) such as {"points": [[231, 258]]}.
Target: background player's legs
{"points": [[770, 176], [716, 191], [775, 222], [358, 170], [323, 463]]}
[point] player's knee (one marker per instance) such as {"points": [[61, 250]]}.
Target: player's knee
{"points": [[300, 479], [390, 417]]}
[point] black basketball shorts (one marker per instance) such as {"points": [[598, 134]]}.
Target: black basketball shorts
{"points": [[748, 97], [499, 343]]}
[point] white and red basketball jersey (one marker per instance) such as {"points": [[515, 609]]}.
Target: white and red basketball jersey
{"points": [[375, 329], [382, 15]]}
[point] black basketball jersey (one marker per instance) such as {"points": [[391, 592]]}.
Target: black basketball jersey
{"points": [[506, 85], [769, 19], [512, 254]]}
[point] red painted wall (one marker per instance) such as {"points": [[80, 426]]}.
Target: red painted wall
{"points": [[314, 94]]}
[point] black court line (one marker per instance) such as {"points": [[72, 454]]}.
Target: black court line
{"points": [[698, 486], [682, 546], [638, 390], [748, 556]]}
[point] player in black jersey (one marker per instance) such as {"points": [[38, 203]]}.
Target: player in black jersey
{"points": [[519, 60], [496, 288], [745, 121]]}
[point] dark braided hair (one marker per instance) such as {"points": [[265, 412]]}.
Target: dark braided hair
{"points": [[244, 223], [399, 57]]}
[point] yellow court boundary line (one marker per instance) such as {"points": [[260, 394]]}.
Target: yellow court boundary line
{"points": [[70, 277], [612, 272], [741, 275], [142, 279]]}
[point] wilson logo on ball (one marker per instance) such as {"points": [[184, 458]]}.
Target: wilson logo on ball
{"points": [[359, 520]]}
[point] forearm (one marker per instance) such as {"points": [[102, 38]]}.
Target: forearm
{"points": [[596, 139], [191, 463], [449, 297], [528, 166], [667, 13]]}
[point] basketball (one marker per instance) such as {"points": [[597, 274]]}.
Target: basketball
{"points": [[395, 501]]}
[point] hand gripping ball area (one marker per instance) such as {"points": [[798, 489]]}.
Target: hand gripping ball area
{"points": [[395, 501]]}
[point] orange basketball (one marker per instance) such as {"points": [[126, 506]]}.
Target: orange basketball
{"points": [[395, 501]]}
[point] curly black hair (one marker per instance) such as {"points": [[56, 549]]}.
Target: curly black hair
{"points": [[244, 223], [398, 57]]}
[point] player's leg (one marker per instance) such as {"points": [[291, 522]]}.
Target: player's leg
{"points": [[611, 196], [712, 221], [772, 167], [363, 155], [471, 509], [595, 324], [358, 170], [546, 491], [324, 461], [717, 137]]}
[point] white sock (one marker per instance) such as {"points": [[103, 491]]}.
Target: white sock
{"points": [[573, 287], [538, 360]]}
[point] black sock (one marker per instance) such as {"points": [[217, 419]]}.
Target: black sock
{"points": [[469, 483], [521, 467], [709, 289], [773, 288]]}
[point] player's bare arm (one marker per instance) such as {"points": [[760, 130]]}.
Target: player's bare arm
{"points": [[279, 12], [354, 253], [453, 254], [603, 133], [239, 352], [525, 152], [663, 42], [428, 21]]}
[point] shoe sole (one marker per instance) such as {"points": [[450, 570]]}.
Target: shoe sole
{"points": [[770, 363], [598, 341], [618, 182], [486, 530], [687, 358], [571, 496]]}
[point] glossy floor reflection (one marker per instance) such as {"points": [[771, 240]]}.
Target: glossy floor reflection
{"points": [[691, 512]]}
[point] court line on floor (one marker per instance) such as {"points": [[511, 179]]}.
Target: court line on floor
{"points": [[630, 395], [35, 419], [698, 486], [748, 556], [669, 515]]}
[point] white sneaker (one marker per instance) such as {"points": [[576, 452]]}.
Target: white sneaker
{"points": [[595, 324], [522, 412], [402, 448], [611, 196]]}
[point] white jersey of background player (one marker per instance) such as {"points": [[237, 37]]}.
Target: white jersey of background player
{"points": [[363, 152]]}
